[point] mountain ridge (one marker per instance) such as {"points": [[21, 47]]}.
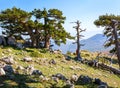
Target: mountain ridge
{"points": [[94, 43]]}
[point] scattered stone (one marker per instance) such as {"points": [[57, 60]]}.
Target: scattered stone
{"points": [[69, 84], [27, 59], [11, 41], [68, 58], [29, 69], [8, 60], [99, 82], [75, 68], [20, 68], [2, 72], [36, 72], [60, 76], [56, 79], [102, 86], [8, 69], [83, 80], [52, 61], [19, 45], [74, 78]]}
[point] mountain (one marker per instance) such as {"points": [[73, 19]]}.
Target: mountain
{"points": [[94, 43]]}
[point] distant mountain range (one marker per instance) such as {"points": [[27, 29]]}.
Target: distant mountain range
{"points": [[94, 43]]}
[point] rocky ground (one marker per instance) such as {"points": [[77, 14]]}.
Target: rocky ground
{"points": [[39, 68]]}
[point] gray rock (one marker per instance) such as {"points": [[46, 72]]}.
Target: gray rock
{"points": [[27, 59], [36, 72], [52, 61], [19, 45], [83, 80], [69, 84], [2, 72], [20, 68], [99, 82], [8, 69], [8, 60], [60, 76], [102, 86], [11, 41]]}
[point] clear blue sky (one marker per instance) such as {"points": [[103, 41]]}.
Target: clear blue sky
{"points": [[85, 11]]}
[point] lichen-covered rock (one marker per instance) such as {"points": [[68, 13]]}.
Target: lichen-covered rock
{"points": [[8, 60], [27, 59]]}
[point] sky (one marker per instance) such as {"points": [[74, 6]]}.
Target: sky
{"points": [[86, 11]]}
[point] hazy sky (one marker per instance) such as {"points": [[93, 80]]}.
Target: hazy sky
{"points": [[86, 11]]}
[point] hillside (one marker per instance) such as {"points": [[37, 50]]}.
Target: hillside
{"points": [[94, 43], [48, 64]]}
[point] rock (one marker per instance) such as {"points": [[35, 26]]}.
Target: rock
{"points": [[102, 86], [19, 45], [11, 41], [69, 84], [2, 72], [27, 59], [20, 68], [68, 58], [8, 69], [2, 64], [74, 78], [83, 80], [36, 72], [8, 60], [29, 69], [56, 79], [97, 81], [60, 76], [52, 61]]}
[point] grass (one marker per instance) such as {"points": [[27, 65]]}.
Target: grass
{"points": [[41, 60]]}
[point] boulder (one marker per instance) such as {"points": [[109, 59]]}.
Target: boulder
{"points": [[27, 59], [8, 60], [20, 68], [36, 72], [8, 69], [2, 72], [60, 76], [52, 61], [74, 78], [83, 80], [19, 45], [99, 82], [11, 41], [102, 86]]}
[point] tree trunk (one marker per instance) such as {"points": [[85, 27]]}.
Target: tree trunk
{"points": [[78, 44], [117, 45], [47, 43]]}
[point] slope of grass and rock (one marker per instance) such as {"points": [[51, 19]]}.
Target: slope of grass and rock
{"points": [[40, 68]]}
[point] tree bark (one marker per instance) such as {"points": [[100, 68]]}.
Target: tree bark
{"points": [[117, 45]]}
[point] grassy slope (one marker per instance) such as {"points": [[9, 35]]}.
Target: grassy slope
{"points": [[41, 59]]}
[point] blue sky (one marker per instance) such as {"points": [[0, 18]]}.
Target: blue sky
{"points": [[86, 11]]}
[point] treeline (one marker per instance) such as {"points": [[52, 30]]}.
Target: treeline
{"points": [[39, 25]]}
